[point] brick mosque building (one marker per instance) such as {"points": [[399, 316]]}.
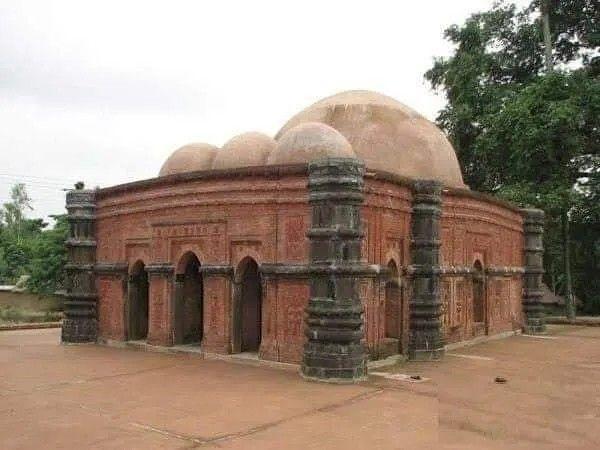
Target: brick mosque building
{"points": [[349, 236]]}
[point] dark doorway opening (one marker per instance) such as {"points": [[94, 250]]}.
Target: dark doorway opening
{"points": [[188, 305], [250, 307], [137, 311], [478, 293], [393, 303]]}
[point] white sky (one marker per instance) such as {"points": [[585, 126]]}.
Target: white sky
{"points": [[104, 91]]}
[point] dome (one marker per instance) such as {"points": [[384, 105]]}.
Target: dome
{"points": [[308, 141], [247, 149], [189, 158], [386, 135]]}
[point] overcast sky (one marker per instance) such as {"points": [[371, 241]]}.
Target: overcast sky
{"points": [[104, 91]]}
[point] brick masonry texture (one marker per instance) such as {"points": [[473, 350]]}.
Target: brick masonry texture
{"points": [[225, 217]]}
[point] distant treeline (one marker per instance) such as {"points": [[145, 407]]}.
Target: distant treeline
{"points": [[30, 246], [523, 113]]}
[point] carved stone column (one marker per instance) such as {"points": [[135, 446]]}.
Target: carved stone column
{"points": [[80, 322], [533, 227], [426, 339], [334, 321]]}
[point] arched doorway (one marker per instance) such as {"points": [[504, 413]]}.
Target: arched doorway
{"points": [[478, 293], [137, 307], [393, 303], [248, 308], [188, 304]]}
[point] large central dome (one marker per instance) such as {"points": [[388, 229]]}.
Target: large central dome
{"points": [[386, 135]]}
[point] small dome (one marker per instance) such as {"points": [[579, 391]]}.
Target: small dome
{"points": [[244, 150], [189, 158], [308, 141], [386, 135]]}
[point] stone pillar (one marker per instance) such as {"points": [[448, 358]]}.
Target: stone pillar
{"points": [[334, 320], [533, 227], [426, 340], [80, 321]]}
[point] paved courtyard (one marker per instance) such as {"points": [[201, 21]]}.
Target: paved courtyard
{"points": [[88, 396]]}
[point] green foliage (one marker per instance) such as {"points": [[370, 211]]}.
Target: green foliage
{"points": [[48, 258], [526, 135], [545, 135], [575, 25], [14, 314], [586, 253], [27, 247]]}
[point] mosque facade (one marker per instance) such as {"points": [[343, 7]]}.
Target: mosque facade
{"points": [[349, 236]]}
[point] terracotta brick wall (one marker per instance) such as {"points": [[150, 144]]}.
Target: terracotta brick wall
{"points": [[475, 229], [386, 219], [221, 222], [224, 220]]}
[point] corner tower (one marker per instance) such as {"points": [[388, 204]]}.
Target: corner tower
{"points": [[334, 321], [80, 324]]}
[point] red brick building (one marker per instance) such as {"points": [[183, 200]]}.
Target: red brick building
{"points": [[216, 251]]}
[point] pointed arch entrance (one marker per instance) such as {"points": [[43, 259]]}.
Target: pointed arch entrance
{"points": [[478, 293], [247, 308], [188, 303], [137, 303], [393, 303]]}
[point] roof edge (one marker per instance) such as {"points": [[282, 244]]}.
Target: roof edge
{"points": [[281, 170]]}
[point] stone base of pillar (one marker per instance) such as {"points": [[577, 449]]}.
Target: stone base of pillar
{"points": [[79, 330], [334, 363], [334, 351], [535, 326], [425, 347], [426, 355], [535, 321]]}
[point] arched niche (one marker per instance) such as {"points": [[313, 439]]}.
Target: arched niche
{"points": [[188, 304], [393, 302], [478, 293], [137, 302], [247, 307]]}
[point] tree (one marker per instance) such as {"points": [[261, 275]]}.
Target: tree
{"points": [[545, 135], [28, 247], [48, 258], [528, 134], [14, 211]]}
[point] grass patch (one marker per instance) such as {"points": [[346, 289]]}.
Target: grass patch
{"points": [[11, 314], [18, 308]]}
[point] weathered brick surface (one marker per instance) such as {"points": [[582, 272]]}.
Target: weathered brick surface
{"points": [[475, 229], [265, 216]]}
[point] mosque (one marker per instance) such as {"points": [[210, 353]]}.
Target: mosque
{"points": [[348, 237]]}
